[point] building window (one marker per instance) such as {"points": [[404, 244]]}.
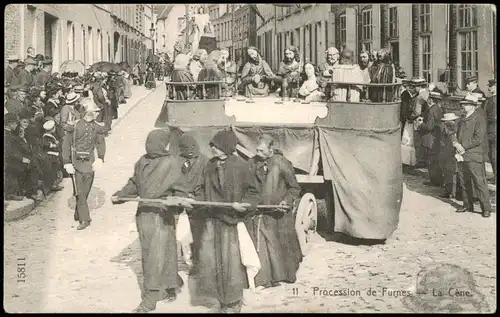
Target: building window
{"points": [[366, 24], [326, 35], [425, 59], [425, 18], [468, 55], [343, 29], [467, 16], [164, 41], [395, 51], [393, 22]]}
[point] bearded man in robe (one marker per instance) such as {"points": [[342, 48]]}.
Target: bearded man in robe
{"points": [[364, 66], [256, 76], [326, 70], [383, 72], [274, 234], [181, 74], [288, 76], [348, 72], [155, 173], [227, 178]]}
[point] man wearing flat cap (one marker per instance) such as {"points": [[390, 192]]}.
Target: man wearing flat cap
{"points": [[17, 101], [25, 77], [15, 164], [490, 109], [9, 72], [472, 87], [79, 160], [430, 131], [44, 75], [471, 172]]}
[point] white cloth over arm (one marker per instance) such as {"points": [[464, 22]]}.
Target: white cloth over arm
{"points": [[249, 256]]}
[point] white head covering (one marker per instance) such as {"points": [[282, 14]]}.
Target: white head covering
{"points": [[49, 125]]}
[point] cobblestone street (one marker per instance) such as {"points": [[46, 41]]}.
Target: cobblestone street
{"points": [[98, 270]]}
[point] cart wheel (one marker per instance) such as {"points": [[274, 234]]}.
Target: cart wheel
{"points": [[306, 220]]}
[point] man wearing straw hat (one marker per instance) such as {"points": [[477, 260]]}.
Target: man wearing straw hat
{"points": [[69, 112], [79, 158], [471, 172], [448, 156]]}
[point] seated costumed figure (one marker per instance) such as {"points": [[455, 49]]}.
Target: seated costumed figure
{"points": [[213, 71], [256, 75], [310, 89], [181, 74], [288, 76], [348, 72]]}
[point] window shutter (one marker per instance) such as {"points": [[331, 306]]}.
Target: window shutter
{"points": [[415, 40], [384, 17], [453, 43]]}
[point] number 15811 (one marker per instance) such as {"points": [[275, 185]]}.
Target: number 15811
{"points": [[21, 270]]}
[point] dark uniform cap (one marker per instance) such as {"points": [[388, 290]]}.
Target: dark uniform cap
{"points": [[47, 62], [492, 82], [471, 79]]}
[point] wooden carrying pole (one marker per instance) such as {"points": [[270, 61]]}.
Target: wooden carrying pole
{"points": [[176, 202]]}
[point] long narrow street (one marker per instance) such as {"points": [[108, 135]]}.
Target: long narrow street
{"points": [[98, 270]]}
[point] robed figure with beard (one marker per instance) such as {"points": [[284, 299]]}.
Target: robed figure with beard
{"points": [[348, 72], [256, 75], [288, 76], [382, 72], [326, 71]]}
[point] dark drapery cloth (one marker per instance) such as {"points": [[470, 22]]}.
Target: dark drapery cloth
{"points": [[275, 237], [367, 184], [222, 275], [365, 169], [431, 140]]}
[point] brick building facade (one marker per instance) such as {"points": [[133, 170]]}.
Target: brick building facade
{"points": [[85, 32], [440, 42]]}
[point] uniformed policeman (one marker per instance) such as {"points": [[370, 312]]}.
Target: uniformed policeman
{"points": [[79, 159], [44, 75], [9, 70]]}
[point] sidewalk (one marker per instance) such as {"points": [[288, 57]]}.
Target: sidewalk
{"points": [[424, 173], [16, 210]]}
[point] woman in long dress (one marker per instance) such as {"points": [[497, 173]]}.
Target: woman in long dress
{"points": [[201, 24]]}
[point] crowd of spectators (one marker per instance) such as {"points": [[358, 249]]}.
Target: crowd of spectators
{"points": [[40, 107]]}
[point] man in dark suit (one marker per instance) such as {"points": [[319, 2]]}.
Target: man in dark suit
{"points": [[430, 130], [472, 86], [9, 72], [490, 109], [471, 171], [25, 77], [44, 75], [78, 157]]}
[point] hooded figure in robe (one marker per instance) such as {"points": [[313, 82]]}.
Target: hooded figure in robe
{"points": [[154, 175], [227, 178]]}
